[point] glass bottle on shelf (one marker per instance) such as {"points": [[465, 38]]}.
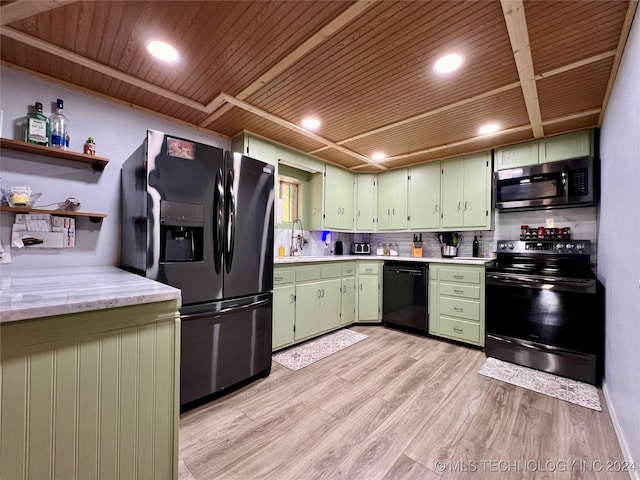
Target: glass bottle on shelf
{"points": [[36, 127], [59, 128]]}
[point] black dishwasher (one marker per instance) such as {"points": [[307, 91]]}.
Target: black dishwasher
{"points": [[404, 295]]}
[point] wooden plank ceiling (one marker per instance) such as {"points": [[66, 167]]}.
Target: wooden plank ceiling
{"points": [[363, 68]]}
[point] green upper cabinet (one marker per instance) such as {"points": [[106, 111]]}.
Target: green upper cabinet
{"points": [[562, 147], [255, 147], [338, 198], [392, 200], [551, 149], [466, 192], [424, 196], [366, 185]]}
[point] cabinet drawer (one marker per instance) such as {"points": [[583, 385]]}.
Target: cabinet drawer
{"points": [[308, 273], [465, 276], [460, 329], [283, 277], [348, 269], [458, 290], [456, 307], [368, 268], [331, 271]]}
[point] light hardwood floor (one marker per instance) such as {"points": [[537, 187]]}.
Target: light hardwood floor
{"points": [[394, 407]]}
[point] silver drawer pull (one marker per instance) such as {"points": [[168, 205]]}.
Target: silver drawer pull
{"points": [[277, 279], [459, 292], [458, 309], [458, 330], [458, 277]]}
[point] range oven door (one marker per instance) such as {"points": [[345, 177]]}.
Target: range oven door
{"points": [[550, 323]]}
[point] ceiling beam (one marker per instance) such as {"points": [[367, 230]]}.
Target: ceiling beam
{"points": [[292, 126], [578, 64], [305, 47], [20, 9], [624, 34], [513, 11]]}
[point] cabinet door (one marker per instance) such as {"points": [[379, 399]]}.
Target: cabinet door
{"points": [[475, 186], [519, 155], [424, 196], [563, 147], [307, 310], [385, 200], [348, 303], [399, 200], [332, 197], [365, 208], [346, 200], [368, 299], [329, 315], [284, 316], [261, 150], [452, 192]]}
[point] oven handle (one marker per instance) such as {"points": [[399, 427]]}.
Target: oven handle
{"points": [[551, 283], [541, 348]]}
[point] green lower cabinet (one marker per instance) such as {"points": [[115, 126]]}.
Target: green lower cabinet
{"points": [[348, 302], [91, 395], [369, 292], [307, 310], [284, 316], [456, 302], [330, 306]]}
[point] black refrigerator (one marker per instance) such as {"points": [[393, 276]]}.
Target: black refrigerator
{"points": [[200, 218]]}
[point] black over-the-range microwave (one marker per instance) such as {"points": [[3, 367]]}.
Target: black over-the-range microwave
{"points": [[567, 183]]}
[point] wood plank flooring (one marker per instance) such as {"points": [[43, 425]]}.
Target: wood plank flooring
{"points": [[395, 406]]}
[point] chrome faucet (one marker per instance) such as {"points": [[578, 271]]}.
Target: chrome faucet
{"points": [[299, 240]]}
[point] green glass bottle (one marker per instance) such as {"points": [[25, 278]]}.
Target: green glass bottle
{"points": [[36, 127]]}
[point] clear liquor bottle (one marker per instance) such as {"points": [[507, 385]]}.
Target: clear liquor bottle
{"points": [[36, 127], [59, 128]]}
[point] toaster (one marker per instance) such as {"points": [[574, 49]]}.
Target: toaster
{"points": [[360, 248]]}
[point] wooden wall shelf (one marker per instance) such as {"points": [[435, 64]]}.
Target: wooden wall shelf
{"points": [[94, 217], [97, 163]]}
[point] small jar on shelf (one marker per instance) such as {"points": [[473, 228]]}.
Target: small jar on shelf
{"points": [[90, 146]]}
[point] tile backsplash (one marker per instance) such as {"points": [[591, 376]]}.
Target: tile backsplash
{"points": [[583, 222]]}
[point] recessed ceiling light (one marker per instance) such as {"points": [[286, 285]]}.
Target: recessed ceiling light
{"points": [[378, 156], [448, 63], [311, 123], [162, 51], [488, 129]]}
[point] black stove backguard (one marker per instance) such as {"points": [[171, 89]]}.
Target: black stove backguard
{"points": [[545, 311]]}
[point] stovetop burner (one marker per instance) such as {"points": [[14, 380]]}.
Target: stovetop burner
{"points": [[555, 258]]}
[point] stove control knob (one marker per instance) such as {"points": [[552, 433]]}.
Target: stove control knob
{"points": [[580, 247], [502, 246], [570, 246], [559, 246], [510, 246]]}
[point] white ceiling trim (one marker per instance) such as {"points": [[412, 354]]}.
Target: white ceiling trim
{"points": [[14, 11]]}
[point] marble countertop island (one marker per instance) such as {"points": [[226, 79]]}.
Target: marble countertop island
{"points": [[43, 292]]}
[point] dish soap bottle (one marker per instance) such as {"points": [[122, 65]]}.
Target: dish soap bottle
{"points": [[476, 246], [59, 128], [36, 127]]}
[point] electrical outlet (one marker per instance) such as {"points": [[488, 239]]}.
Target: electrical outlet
{"points": [[549, 223]]}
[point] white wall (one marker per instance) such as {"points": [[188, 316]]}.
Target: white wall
{"points": [[118, 131], [618, 251]]}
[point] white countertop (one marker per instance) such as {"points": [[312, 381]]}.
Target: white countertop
{"points": [[43, 292], [346, 258]]}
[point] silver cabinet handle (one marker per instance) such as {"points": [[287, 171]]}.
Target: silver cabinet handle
{"points": [[319, 293], [467, 206], [292, 298], [360, 287], [388, 212], [459, 292], [458, 277], [323, 293], [436, 208], [459, 206], [458, 309], [278, 279], [393, 210], [344, 289], [458, 330]]}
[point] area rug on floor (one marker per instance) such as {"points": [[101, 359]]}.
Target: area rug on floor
{"points": [[566, 389], [298, 357]]}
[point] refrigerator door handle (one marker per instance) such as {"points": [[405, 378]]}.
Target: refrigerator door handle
{"points": [[231, 222], [218, 234], [224, 311]]}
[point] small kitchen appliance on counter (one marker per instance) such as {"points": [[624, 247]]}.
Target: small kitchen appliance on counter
{"points": [[361, 248], [544, 308]]}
